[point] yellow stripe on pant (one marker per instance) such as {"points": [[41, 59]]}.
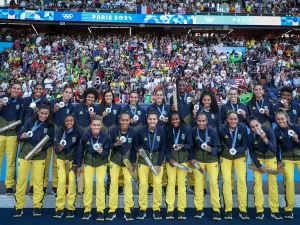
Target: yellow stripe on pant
{"points": [[144, 173], [9, 145], [88, 188], [114, 171], [38, 168], [273, 188], [170, 196], [240, 169], [213, 173], [62, 185], [290, 183]]}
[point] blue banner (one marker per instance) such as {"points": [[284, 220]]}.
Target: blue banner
{"points": [[127, 18]]}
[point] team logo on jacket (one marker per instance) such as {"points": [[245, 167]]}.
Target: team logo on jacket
{"points": [[145, 139], [158, 138], [183, 136], [239, 136], [255, 142], [226, 137], [280, 138], [68, 111], [253, 107], [73, 139], [129, 140], [139, 113], [294, 111], [45, 130], [114, 112], [212, 116], [88, 143], [17, 107], [81, 113]]}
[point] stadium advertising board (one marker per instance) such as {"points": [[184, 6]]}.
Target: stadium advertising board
{"points": [[35, 15]]}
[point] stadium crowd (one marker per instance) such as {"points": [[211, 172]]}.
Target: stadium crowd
{"points": [[171, 6], [145, 62]]}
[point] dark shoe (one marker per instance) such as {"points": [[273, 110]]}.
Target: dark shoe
{"points": [[9, 191], [18, 213], [142, 215], [70, 214], [30, 192], [199, 214], [54, 191], [181, 216], [276, 216], [259, 216], [121, 190], [216, 216], [100, 216], [192, 189], [288, 215], [37, 212], [111, 216], [228, 215], [150, 190], [128, 217], [170, 216], [156, 215], [58, 214], [243, 216], [87, 216]]}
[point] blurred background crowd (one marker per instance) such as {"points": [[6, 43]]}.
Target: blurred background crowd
{"points": [[146, 61]]}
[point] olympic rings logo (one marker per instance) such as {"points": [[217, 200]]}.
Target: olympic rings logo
{"points": [[209, 19], [67, 16]]}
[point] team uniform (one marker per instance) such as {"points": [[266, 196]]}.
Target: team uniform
{"points": [[238, 140], [125, 151], [161, 110], [293, 111], [214, 119], [154, 144], [112, 118], [9, 113], [93, 162], [27, 111], [254, 107], [208, 161], [82, 115], [185, 108], [181, 135], [290, 157], [138, 111], [40, 130], [233, 107], [66, 159], [264, 154]]}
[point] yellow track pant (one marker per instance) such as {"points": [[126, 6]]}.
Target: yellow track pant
{"points": [[88, 188], [54, 168], [290, 183], [9, 145], [273, 188], [240, 169], [170, 196], [144, 173], [213, 173], [114, 171], [38, 168], [164, 176], [62, 185]]}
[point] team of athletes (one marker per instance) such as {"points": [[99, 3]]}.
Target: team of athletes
{"points": [[163, 146]]}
